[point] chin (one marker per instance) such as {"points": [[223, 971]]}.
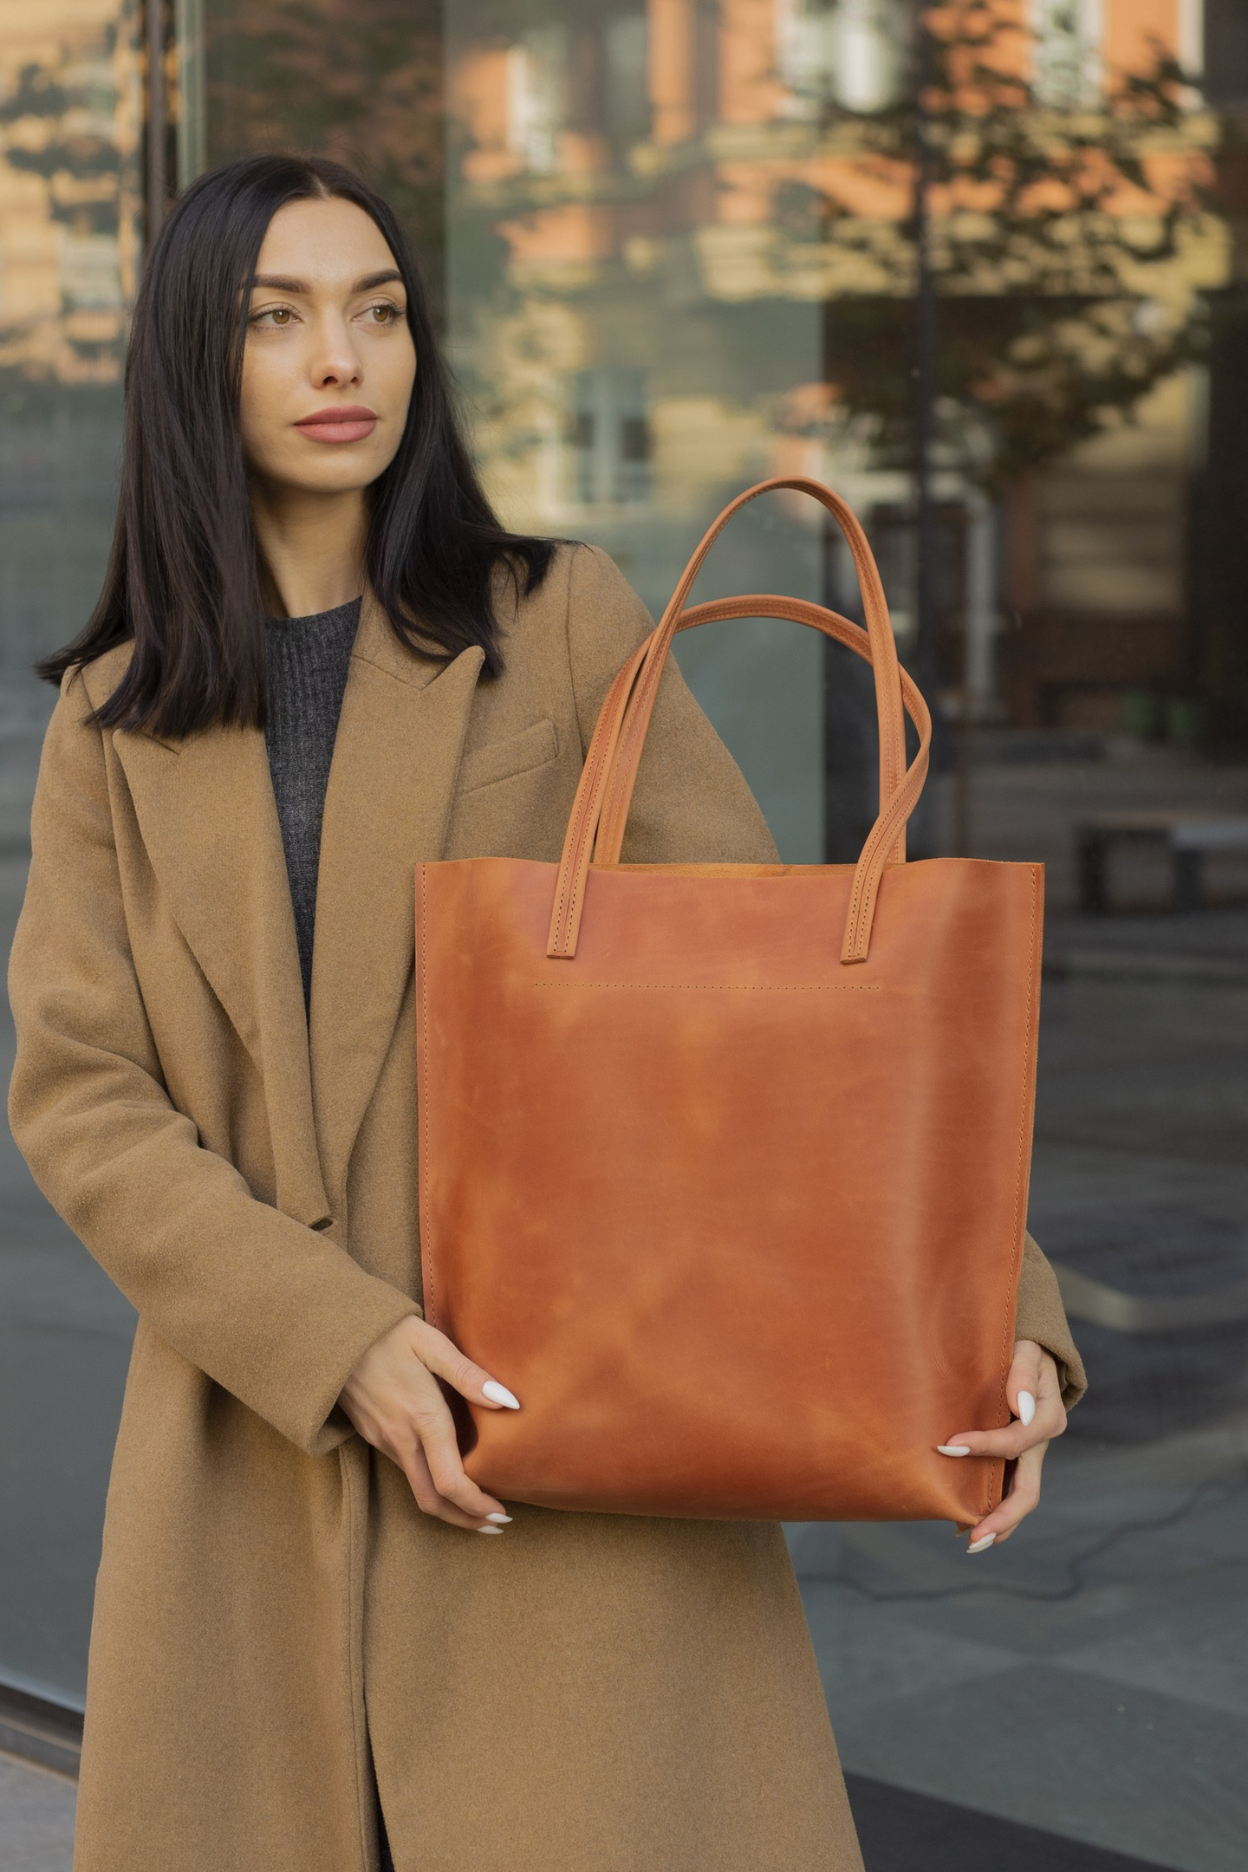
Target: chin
{"points": [[343, 477]]}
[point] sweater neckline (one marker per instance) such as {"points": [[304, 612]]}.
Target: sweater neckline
{"points": [[343, 612]]}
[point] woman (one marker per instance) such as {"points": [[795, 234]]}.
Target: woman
{"points": [[293, 1609]]}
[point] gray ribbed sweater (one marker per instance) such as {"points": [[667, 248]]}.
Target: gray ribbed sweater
{"points": [[306, 661]]}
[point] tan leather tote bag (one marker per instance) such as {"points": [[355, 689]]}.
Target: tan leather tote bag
{"points": [[723, 1168]]}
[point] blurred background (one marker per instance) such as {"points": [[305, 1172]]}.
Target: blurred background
{"points": [[983, 267]]}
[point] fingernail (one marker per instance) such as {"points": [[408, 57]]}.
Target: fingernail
{"points": [[498, 1517], [1026, 1407], [489, 1530], [499, 1394], [954, 1449], [977, 1546]]}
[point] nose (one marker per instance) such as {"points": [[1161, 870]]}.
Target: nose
{"points": [[337, 363]]}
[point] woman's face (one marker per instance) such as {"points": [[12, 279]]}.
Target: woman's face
{"points": [[329, 362]]}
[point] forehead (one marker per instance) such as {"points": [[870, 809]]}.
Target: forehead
{"points": [[326, 243]]}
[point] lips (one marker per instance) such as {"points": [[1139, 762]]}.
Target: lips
{"points": [[348, 422]]}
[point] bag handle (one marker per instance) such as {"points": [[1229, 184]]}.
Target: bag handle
{"points": [[875, 609], [600, 810], [614, 816], [587, 809]]}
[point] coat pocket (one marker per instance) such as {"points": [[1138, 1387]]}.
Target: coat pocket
{"points": [[533, 747]]}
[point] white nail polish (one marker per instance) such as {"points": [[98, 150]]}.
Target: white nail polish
{"points": [[954, 1449], [1026, 1407], [979, 1545], [498, 1517], [489, 1530], [499, 1394]]}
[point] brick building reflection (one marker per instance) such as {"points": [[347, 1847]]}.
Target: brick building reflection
{"points": [[676, 234], [70, 106], [677, 252]]}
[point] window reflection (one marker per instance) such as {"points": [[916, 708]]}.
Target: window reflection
{"points": [[70, 124], [69, 131], [356, 80], [676, 248]]}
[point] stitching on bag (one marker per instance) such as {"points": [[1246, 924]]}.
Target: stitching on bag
{"points": [[580, 876], [560, 931], [624, 752], [591, 800], [731, 987], [861, 877], [643, 705], [602, 778], [1018, 1167], [882, 835], [587, 807], [560, 936]]}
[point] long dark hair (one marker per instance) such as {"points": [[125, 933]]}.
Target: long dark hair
{"points": [[183, 581]]}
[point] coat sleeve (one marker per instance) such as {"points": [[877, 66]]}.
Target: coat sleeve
{"points": [[274, 1311], [692, 805], [1042, 1317]]}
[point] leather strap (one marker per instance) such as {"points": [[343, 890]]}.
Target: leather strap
{"points": [[879, 629], [583, 821], [600, 810]]}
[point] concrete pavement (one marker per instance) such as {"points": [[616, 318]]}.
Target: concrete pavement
{"points": [[36, 1818]]}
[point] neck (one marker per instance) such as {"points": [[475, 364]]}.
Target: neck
{"points": [[311, 548]]}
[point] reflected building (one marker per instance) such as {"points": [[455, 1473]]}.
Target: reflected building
{"points": [[70, 127], [682, 256], [675, 248], [69, 229]]}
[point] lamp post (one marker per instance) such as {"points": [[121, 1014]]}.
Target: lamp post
{"points": [[924, 655], [848, 812], [923, 366]]}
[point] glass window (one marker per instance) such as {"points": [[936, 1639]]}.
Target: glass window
{"points": [[987, 279], [70, 129]]}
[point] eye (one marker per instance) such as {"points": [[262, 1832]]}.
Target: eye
{"points": [[276, 317], [383, 313]]}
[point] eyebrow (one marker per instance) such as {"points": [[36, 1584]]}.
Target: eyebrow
{"points": [[278, 282]]}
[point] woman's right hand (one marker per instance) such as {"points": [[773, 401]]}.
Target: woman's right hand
{"points": [[395, 1402]]}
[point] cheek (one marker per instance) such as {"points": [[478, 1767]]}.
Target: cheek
{"points": [[260, 402], [394, 378], [401, 373]]}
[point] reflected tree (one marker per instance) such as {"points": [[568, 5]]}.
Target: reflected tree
{"points": [[360, 81]]}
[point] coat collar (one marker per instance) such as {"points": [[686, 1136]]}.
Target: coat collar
{"points": [[396, 762], [209, 824]]}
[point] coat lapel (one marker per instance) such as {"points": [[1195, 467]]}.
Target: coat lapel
{"points": [[206, 812], [396, 760]]}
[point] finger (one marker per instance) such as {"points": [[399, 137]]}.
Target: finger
{"points": [[431, 1501], [1022, 1386], [441, 1452], [1009, 1443], [1050, 1396], [447, 1362], [1023, 1496], [1039, 1415]]}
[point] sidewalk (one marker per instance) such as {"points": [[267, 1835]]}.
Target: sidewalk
{"points": [[1091, 1680], [36, 1818]]}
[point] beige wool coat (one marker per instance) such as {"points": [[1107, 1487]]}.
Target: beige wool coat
{"points": [[587, 1692]]}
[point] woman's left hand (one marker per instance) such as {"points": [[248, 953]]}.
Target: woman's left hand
{"points": [[1035, 1397]]}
